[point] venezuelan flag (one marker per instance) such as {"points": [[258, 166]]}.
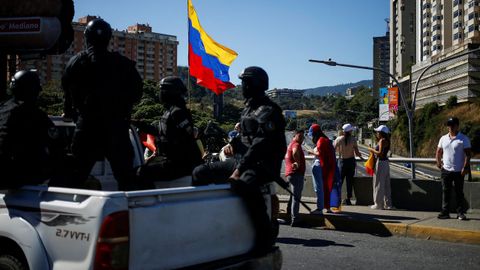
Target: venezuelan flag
{"points": [[209, 61]]}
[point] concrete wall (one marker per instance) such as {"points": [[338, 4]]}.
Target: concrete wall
{"points": [[421, 195]]}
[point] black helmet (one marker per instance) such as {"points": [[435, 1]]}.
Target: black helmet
{"points": [[98, 33], [172, 89], [25, 85], [254, 81]]}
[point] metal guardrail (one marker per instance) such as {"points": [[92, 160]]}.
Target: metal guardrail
{"points": [[412, 160], [406, 160]]}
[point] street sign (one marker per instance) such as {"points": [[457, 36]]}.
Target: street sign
{"points": [[19, 26], [28, 34]]}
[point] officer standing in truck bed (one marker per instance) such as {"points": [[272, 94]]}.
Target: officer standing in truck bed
{"points": [[101, 88]]}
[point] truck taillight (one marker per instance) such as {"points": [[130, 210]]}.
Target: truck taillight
{"points": [[113, 243]]}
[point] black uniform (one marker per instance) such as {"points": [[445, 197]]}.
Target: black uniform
{"points": [[176, 150], [264, 143], [101, 88], [262, 139], [26, 135]]}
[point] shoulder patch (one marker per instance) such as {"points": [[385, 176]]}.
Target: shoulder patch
{"points": [[263, 113]]}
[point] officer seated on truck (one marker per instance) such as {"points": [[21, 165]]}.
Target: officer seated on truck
{"points": [[26, 135], [261, 147], [176, 151]]}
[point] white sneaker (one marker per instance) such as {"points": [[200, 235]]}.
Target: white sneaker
{"points": [[390, 208], [376, 207]]}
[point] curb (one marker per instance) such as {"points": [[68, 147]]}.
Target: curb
{"points": [[376, 227]]}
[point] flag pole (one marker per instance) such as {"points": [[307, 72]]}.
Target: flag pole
{"points": [[189, 86]]}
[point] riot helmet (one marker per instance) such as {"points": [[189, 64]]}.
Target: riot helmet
{"points": [[98, 33], [25, 86], [254, 81], [172, 90]]}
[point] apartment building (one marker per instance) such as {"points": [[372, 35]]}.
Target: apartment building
{"points": [[381, 59], [447, 28], [288, 93], [155, 54], [402, 37]]}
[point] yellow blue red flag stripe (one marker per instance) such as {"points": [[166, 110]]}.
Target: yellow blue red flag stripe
{"points": [[208, 60]]}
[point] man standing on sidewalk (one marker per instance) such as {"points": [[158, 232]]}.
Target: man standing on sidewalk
{"points": [[453, 158], [295, 173]]}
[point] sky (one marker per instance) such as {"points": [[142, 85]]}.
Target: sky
{"points": [[277, 35]]}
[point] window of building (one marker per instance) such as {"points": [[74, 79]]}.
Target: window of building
{"points": [[437, 37], [457, 25], [472, 3], [457, 36], [456, 2], [457, 13], [427, 5], [436, 47], [437, 27]]}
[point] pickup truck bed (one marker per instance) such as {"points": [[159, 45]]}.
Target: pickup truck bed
{"points": [[204, 227], [168, 228]]}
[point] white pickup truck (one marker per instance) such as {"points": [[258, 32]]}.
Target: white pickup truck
{"points": [[189, 227]]}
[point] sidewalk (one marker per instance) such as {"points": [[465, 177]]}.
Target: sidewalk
{"points": [[417, 224]]}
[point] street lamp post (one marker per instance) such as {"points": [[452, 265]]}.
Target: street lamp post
{"points": [[408, 111]]}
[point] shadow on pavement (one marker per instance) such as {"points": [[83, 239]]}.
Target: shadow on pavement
{"points": [[309, 242], [373, 216], [355, 224]]}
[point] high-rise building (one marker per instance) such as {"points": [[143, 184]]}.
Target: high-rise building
{"points": [[402, 37], [447, 28], [381, 59], [155, 54]]}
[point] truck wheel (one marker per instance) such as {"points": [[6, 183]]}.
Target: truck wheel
{"points": [[10, 262]]}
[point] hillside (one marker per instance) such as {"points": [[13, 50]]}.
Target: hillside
{"points": [[429, 127], [336, 89]]}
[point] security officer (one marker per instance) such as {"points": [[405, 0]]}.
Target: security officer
{"points": [[100, 90], [177, 152], [262, 145], [26, 135]]}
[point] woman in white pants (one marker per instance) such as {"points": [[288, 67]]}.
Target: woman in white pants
{"points": [[381, 179]]}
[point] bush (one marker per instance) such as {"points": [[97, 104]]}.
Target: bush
{"points": [[473, 133], [451, 102]]}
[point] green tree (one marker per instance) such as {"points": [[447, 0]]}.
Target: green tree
{"points": [[51, 98], [451, 102]]}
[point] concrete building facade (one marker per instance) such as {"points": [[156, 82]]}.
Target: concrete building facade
{"points": [[381, 59], [155, 54], [402, 37], [448, 28], [288, 93]]}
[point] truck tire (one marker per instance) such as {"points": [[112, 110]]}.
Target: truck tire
{"points": [[10, 262]]}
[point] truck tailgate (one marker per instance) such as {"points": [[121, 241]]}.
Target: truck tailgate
{"points": [[179, 227]]}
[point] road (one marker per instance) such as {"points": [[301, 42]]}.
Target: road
{"points": [[305, 248]]}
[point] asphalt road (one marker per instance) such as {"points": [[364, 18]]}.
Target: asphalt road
{"points": [[304, 248]]}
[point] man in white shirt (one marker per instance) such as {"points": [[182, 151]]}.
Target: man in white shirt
{"points": [[453, 158]]}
